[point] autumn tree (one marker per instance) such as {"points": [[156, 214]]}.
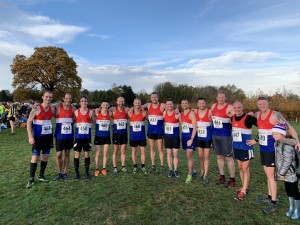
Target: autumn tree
{"points": [[48, 68]]}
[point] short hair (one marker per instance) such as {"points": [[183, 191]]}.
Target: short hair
{"points": [[104, 100], [154, 93], [200, 98], [221, 92], [83, 96], [67, 93], [169, 99], [47, 91], [262, 98], [184, 99]]}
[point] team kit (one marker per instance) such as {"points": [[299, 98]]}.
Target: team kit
{"points": [[223, 127]]}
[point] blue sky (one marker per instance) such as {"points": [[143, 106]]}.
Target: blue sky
{"points": [[252, 44]]}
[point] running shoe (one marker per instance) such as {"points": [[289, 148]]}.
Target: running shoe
{"points": [[264, 201], [170, 174], [87, 176], [162, 170], [270, 209], [58, 177], [153, 169], [205, 180], [65, 177], [194, 173], [30, 183], [43, 179], [124, 170], [135, 170], [231, 183], [97, 172], [188, 179], [77, 177], [104, 172], [221, 180], [115, 171], [176, 174], [144, 170], [240, 196]]}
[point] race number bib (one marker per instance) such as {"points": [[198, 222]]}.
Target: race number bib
{"points": [[168, 128], [217, 123], [66, 128], [83, 129], [236, 135], [121, 125], [104, 126], [185, 128], [47, 129], [136, 126], [152, 120], [263, 139], [202, 132]]}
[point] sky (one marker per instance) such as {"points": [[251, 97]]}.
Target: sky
{"points": [[252, 44]]}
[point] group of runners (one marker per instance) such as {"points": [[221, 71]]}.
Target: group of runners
{"points": [[224, 126]]}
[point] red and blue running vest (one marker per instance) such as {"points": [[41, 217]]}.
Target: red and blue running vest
{"points": [[137, 126], [155, 120], [266, 140], [102, 125], [83, 125], [171, 125], [42, 125], [64, 123], [120, 121], [221, 122], [204, 129], [240, 134], [186, 126]]}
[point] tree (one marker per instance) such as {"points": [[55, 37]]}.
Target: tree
{"points": [[3, 96], [49, 68]]}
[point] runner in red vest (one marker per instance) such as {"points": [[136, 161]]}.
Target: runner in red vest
{"points": [[42, 137], [266, 119]]}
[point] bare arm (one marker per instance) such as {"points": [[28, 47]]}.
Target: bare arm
{"points": [[230, 111], [35, 111]]}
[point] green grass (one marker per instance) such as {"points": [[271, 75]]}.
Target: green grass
{"points": [[126, 199]]}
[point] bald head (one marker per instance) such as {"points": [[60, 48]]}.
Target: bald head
{"points": [[238, 108]]}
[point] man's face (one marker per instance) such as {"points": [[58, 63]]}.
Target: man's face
{"points": [[169, 105], [201, 104], [47, 97], [83, 102], [263, 105], [68, 99], [104, 105], [120, 102], [137, 103], [238, 108], [221, 98], [154, 98], [184, 104]]}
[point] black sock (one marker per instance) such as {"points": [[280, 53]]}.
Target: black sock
{"points": [[273, 202], [135, 165], [76, 166], [153, 165], [33, 167], [143, 165], [87, 162], [269, 197], [232, 178], [123, 167], [43, 167], [223, 176]]}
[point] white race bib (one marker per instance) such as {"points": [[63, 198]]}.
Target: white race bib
{"points": [[263, 139], [152, 120], [121, 125], [168, 128], [83, 129], [66, 128], [217, 123], [185, 128], [202, 132], [236, 135], [104, 126], [46, 128], [136, 126]]}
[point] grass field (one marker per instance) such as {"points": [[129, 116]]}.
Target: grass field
{"points": [[126, 199]]}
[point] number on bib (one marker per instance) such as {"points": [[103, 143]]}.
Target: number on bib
{"points": [[202, 132], [152, 120], [66, 128], [217, 123], [103, 126], [46, 129], [185, 128], [236, 135], [168, 128], [137, 127], [83, 129], [121, 125], [263, 139]]}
